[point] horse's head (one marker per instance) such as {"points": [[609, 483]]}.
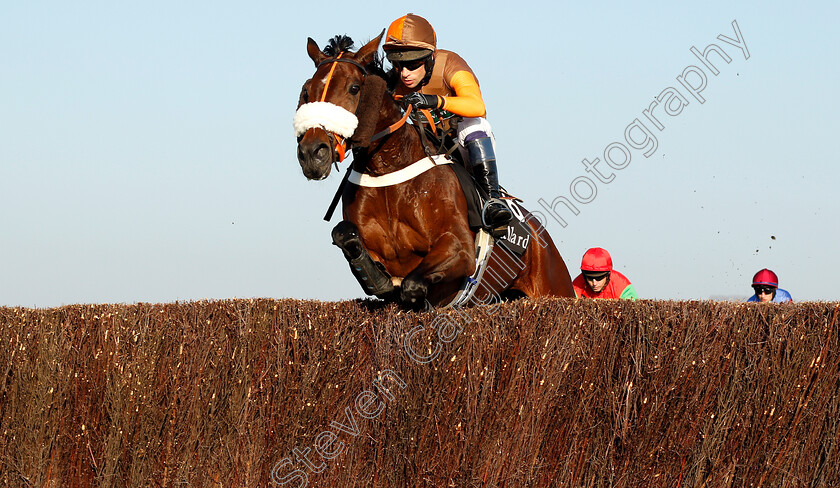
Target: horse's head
{"points": [[335, 104]]}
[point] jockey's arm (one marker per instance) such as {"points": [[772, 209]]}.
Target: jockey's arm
{"points": [[629, 293], [467, 101]]}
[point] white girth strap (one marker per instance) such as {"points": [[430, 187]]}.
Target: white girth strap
{"points": [[400, 176]]}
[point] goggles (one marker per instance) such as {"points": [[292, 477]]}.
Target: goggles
{"points": [[764, 290], [595, 276], [409, 65]]}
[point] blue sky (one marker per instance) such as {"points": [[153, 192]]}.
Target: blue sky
{"points": [[147, 152]]}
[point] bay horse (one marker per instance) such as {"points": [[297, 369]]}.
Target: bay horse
{"points": [[406, 240]]}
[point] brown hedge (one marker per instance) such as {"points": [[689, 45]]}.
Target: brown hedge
{"points": [[532, 393]]}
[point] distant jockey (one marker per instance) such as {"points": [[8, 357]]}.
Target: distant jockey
{"points": [[443, 82], [766, 286], [598, 279]]}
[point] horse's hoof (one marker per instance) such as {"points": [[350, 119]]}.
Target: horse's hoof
{"points": [[413, 293]]}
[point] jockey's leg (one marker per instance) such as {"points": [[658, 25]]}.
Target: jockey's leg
{"points": [[476, 135], [483, 160], [371, 274]]}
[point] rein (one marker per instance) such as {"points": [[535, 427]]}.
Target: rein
{"points": [[393, 127], [396, 125]]}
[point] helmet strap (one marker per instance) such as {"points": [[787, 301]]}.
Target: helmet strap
{"points": [[430, 66]]}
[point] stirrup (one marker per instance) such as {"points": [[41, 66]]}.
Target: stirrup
{"points": [[495, 227]]}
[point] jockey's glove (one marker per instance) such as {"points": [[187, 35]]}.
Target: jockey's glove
{"points": [[420, 100]]}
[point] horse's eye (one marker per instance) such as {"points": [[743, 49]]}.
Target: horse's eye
{"points": [[354, 89], [304, 96]]}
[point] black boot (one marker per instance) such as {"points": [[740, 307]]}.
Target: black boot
{"points": [[483, 161]]}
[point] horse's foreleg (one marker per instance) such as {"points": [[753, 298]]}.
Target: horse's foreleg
{"points": [[371, 274], [450, 258]]}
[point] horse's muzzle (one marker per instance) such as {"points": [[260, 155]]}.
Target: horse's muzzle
{"points": [[315, 157]]}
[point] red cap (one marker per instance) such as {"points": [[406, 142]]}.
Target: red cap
{"points": [[596, 259], [766, 277]]}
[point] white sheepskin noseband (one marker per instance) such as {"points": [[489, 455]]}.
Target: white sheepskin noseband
{"points": [[326, 115]]}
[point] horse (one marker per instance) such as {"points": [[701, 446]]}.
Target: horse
{"points": [[406, 240]]}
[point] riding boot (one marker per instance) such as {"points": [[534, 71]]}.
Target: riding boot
{"points": [[483, 161]]}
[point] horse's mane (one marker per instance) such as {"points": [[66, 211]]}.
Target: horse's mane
{"points": [[344, 43]]}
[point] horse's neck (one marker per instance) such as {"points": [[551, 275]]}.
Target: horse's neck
{"points": [[395, 151]]}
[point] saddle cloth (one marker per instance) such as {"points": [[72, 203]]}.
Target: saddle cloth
{"points": [[517, 235]]}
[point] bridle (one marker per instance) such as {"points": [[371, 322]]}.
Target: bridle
{"points": [[339, 59], [339, 143]]}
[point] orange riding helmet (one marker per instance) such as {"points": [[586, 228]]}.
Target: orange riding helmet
{"points": [[409, 38]]}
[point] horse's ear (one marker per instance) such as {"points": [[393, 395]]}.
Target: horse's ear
{"points": [[314, 51], [365, 54]]}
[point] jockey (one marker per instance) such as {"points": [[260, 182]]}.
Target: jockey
{"points": [[766, 286], [598, 279], [440, 80]]}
